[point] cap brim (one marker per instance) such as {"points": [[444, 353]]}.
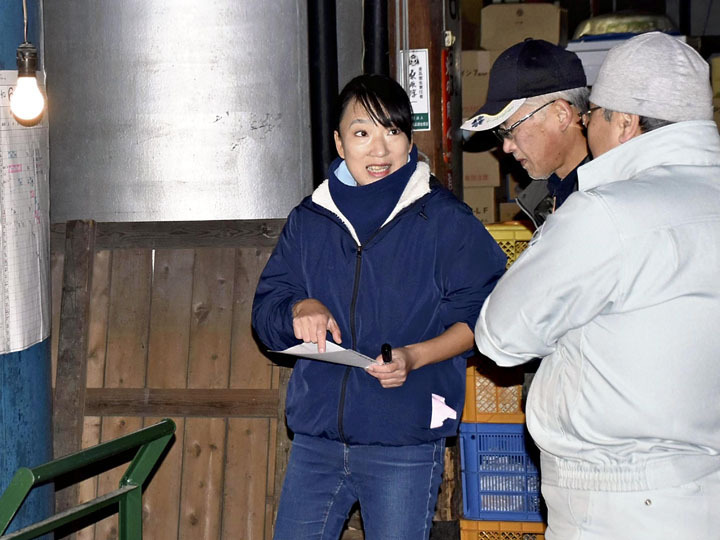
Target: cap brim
{"points": [[483, 119]]}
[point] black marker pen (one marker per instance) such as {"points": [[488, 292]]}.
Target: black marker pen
{"points": [[386, 351]]}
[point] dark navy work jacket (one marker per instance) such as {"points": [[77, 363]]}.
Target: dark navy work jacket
{"points": [[430, 266]]}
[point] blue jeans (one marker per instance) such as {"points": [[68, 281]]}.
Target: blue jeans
{"points": [[396, 486]]}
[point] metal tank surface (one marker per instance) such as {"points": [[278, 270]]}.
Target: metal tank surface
{"points": [[180, 110]]}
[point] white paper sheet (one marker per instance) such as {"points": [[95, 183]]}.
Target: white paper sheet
{"points": [[440, 412], [333, 353], [24, 228]]}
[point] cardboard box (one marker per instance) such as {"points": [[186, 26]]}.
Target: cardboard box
{"points": [[482, 201], [480, 169], [470, 17], [503, 25], [512, 188], [475, 70], [509, 211]]}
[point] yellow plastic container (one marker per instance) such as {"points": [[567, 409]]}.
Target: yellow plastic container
{"points": [[501, 530], [495, 394], [512, 236]]}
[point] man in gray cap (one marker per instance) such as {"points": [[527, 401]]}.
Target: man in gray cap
{"points": [[535, 92], [619, 293]]}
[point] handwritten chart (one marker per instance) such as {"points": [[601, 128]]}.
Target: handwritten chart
{"points": [[24, 228]]}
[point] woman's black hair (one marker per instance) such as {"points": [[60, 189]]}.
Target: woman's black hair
{"points": [[382, 97]]}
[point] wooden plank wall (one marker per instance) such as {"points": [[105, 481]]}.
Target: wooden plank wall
{"points": [[169, 335]]}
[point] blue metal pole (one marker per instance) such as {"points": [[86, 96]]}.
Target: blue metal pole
{"points": [[25, 425], [25, 386]]}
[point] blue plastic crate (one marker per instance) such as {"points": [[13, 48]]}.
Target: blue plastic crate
{"points": [[500, 478]]}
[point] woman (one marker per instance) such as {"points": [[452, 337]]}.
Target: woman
{"points": [[380, 252]]}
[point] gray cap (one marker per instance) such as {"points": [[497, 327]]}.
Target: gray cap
{"points": [[657, 76]]}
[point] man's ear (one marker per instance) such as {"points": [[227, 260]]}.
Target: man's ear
{"points": [[339, 145], [628, 125], [565, 114]]}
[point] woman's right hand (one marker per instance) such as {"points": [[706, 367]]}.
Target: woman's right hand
{"points": [[311, 322]]}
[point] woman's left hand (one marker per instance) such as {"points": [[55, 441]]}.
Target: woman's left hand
{"points": [[452, 342], [395, 373]]}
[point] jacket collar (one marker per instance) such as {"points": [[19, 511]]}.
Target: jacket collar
{"points": [[684, 143], [417, 187]]}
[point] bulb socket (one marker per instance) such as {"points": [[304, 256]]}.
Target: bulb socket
{"points": [[27, 59]]}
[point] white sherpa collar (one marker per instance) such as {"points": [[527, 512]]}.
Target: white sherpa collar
{"points": [[418, 185]]}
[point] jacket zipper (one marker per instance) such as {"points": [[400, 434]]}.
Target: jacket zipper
{"points": [[353, 342], [353, 301], [353, 330]]}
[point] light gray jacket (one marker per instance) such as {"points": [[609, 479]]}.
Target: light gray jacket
{"points": [[619, 292]]}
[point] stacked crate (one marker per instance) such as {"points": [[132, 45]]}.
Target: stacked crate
{"points": [[499, 463]]}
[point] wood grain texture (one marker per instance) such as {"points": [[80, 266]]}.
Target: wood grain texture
{"points": [[169, 336], [208, 367], [247, 465], [189, 234], [190, 402], [203, 478], [249, 368], [72, 344], [272, 481], [170, 315], [161, 499], [126, 357], [97, 346], [211, 322], [57, 262], [98, 319], [282, 441], [251, 448], [168, 350], [88, 489], [128, 319], [71, 374]]}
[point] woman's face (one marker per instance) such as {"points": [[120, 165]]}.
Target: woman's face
{"points": [[371, 151]]}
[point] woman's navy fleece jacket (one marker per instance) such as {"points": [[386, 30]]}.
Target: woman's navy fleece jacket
{"points": [[429, 266]]}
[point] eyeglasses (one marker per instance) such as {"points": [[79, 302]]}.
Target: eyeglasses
{"points": [[585, 115], [506, 133]]}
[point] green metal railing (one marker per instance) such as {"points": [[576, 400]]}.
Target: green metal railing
{"points": [[150, 444]]}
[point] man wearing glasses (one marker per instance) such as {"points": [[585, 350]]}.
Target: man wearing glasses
{"points": [[535, 94], [619, 294]]}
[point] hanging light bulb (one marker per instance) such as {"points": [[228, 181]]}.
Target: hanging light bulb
{"points": [[27, 102]]}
